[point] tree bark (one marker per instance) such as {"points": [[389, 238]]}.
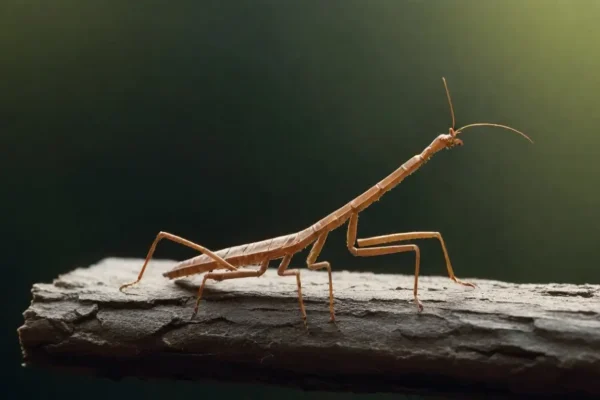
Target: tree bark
{"points": [[499, 338]]}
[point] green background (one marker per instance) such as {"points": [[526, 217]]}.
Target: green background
{"points": [[232, 121]]}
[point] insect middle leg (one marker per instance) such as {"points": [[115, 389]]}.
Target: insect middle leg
{"points": [[221, 276], [185, 242], [310, 262], [283, 271]]}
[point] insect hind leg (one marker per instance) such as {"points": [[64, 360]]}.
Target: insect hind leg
{"points": [[221, 276], [165, 235]]}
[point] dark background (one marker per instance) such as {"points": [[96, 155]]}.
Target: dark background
{"points": [[232, 121]]}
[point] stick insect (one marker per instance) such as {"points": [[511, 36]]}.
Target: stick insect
{"points": [[230, 261]]}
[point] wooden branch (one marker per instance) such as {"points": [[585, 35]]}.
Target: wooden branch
{"points": [[501, 337]]}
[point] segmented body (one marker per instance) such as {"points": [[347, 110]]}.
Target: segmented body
{"points": [[284, 247], [275, 248]]}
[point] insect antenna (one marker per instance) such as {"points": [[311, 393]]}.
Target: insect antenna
{"points": [[449, 101], [459, 130], [495, 125]]}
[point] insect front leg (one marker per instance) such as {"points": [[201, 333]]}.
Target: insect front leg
{"points": [[379, 251], [351, 240], [396, 237], [185, 242]]}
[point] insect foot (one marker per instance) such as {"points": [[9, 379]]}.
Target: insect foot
{"points": [[474, 286], [419, 305], [127, 285]]}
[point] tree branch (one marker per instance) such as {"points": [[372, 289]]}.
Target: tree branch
{"points": [[501, 337]]}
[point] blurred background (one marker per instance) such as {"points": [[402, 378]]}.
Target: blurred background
{"points": [[231, 122]]}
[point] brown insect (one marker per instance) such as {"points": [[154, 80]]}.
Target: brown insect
{"points": [[284, 247]]}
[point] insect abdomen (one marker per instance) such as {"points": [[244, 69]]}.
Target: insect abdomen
{"points": [[246, 254]]}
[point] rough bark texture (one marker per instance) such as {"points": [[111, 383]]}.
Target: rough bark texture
{"points": [[501, 337]]}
